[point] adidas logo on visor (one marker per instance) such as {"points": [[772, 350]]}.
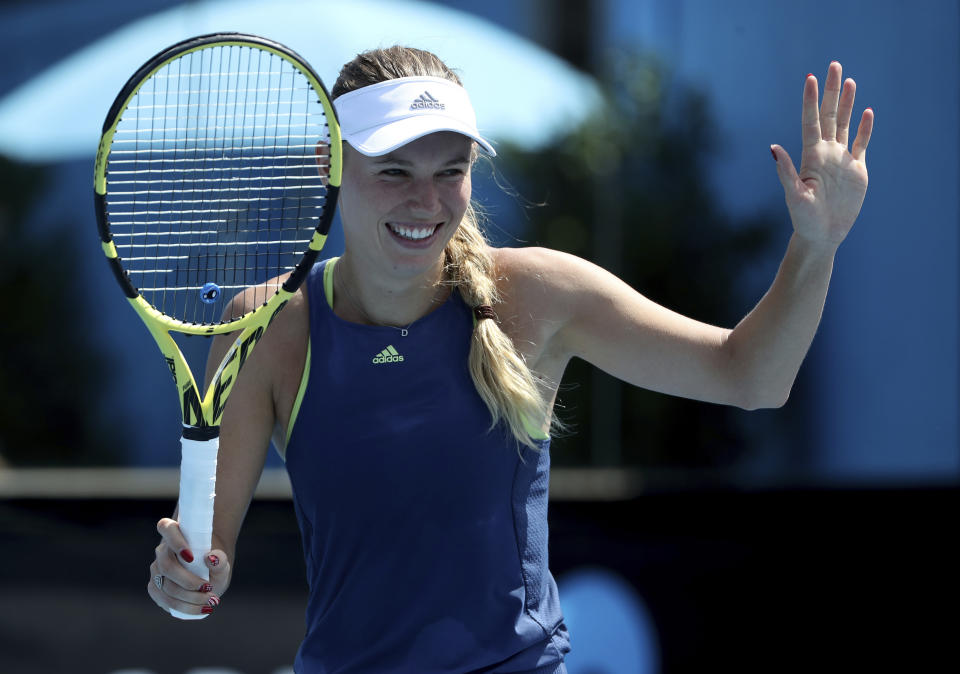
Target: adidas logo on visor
{"points": [[388, 355], [425, 102]]}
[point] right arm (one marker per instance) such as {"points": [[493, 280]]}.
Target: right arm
{"points": [[248, 422]]}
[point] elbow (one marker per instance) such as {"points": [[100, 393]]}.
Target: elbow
{"points": [[764, 405], [755, 385], [765, 400], [760, 393]]}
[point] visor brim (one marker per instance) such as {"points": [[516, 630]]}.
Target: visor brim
{"points": [[383, 139]]}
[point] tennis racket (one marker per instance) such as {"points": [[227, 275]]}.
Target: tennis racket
{"points": [[216, 176]]}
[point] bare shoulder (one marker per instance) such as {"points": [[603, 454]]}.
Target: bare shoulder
{"points": [[267, 387], [279, 356], [537, 301], [542, 283], [532, 262], [535, 276], [257, 295], [285, 343]]}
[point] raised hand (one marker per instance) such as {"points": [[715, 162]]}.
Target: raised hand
{"points": [[825, 197]]}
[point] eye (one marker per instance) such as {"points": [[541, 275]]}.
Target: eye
{"points": [[393, 172], [452, 173]]}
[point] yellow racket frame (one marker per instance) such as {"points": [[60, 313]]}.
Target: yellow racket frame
{"points": [[206, 412]]}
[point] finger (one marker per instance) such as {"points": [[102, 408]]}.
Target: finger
{"points": [[175, 587], [845, 110], [162, 599], [156, 595], [787, 172], [810, 119], [864, 131], [171, 566], [169, 530], [174, 572], [828, 108], [168, 594], [196, 600]]}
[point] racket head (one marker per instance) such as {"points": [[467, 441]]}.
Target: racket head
{"points": [[216, 175]]}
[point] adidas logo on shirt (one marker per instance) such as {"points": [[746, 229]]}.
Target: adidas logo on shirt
{"points": [[425, 101], [388, 355]]}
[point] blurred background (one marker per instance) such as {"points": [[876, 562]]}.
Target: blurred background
{"points": [[634, 133]]}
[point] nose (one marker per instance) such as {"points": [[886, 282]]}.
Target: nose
{"points": [[424, 198]]}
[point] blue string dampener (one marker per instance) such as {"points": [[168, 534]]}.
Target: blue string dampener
{"points": [[210, 293]]}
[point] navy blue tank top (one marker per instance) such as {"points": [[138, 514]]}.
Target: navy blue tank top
{"points": [[424, 531]]}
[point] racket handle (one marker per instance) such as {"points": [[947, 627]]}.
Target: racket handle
{"points": [[198, 476]]}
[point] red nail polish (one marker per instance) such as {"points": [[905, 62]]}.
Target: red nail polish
{"points": [[207, 609], [213, 601], [206, 587], [809, 74], [186, 555], [214, 560], [774, 154]]}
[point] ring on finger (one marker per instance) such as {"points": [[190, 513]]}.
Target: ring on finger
{"points": [[158, 581]]}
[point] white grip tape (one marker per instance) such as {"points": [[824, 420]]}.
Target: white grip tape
{"points": [[198, 477]]}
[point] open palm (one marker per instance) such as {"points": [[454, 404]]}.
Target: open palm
{"points": [[825, 197]]}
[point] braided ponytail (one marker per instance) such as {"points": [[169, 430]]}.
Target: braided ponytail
{"points": [[499, 372]]}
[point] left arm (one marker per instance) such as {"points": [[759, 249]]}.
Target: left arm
{"points": [[597, 317], [824, 199], [769, 345]]}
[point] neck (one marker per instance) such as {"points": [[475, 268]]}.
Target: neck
{"points": [[374, 299]]}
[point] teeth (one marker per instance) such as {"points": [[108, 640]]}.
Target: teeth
{"points": [[413, 233]]}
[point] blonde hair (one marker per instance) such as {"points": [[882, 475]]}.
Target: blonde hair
{"points": [[500, 374]]}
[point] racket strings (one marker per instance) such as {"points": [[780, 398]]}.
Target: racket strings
{"points": [[214, 180]]}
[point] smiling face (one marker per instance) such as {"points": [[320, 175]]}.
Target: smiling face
{"points": [[400, 210]]}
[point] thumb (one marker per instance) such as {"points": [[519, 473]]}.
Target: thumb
{"points": [[218, 565], [785, 170]]}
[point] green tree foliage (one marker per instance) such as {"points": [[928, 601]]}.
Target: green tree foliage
{"points": [[627, 190], [51, 375]]}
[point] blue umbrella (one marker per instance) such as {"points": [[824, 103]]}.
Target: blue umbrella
{"points": [[522, 93]]}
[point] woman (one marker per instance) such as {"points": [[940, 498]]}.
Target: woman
{"points": [[410, 384]]}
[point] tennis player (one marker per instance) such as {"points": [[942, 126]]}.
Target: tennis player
{"points": [[409, 384]]}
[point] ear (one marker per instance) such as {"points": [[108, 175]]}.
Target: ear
{"points": [[322, 152]]}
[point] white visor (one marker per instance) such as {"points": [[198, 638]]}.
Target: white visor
{"points": [[379, 118]]}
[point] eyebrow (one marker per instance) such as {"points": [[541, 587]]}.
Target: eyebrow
{"points": [[390, 159]]}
